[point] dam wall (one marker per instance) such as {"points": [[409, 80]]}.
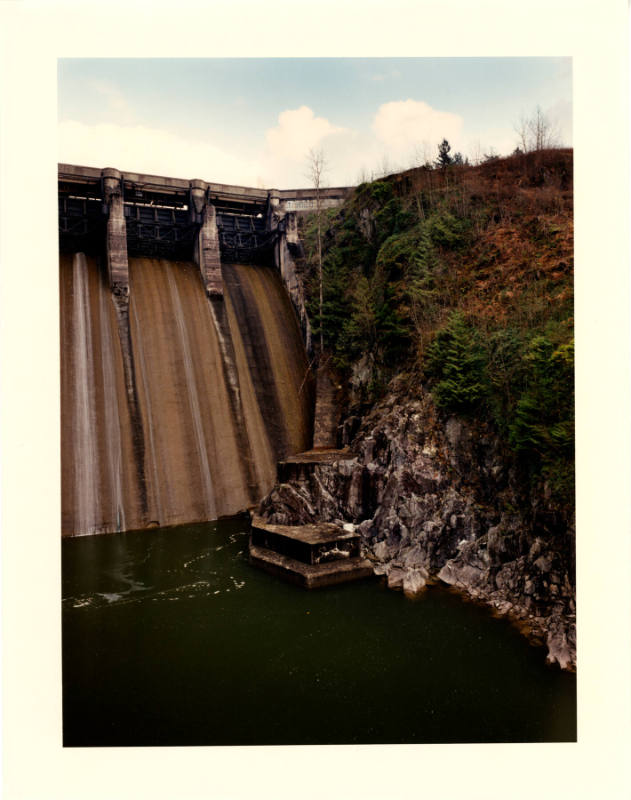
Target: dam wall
{"points": [[175, 406], [184, 346], [127, 214]]}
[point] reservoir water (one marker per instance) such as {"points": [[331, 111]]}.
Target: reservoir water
{"points": [[170, 637]]}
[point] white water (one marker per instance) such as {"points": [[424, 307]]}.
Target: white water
{"points": [[85, 464], [193, 399]]}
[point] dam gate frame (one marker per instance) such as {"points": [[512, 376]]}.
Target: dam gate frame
{"points": [[123, 214]]}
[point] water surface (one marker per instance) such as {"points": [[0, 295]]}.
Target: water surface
{"points": [[170, 637]]}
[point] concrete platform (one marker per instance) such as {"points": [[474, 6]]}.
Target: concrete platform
{"points": [[300, 467], [309, 555], [310, 576], [311, 544], [323, 455]]}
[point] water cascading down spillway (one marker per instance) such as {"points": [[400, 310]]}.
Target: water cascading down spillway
{"points": [[176, 405]]}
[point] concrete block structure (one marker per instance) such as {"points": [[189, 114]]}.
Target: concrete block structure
{"points": [[130, 214], [116, 244]]}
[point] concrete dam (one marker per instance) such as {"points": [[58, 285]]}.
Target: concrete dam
{"points": [[184, 347]]}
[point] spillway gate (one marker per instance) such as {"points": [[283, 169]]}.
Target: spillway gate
{"points": [[130, 214]]}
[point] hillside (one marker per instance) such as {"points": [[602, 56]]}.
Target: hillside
{"points": [[448, 324], [461, 279]]}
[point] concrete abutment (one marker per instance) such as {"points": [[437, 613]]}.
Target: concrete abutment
{"points": [[116, 243], [206, 251]]}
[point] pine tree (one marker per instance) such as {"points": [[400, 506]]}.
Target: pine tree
{"points": [[456, 360], [444, 159]]}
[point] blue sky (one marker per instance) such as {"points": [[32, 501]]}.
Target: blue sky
{"points": [[253, 121]]}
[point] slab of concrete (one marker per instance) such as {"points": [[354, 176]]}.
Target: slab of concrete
{"points": [[310, 544], [322, 533], [320, 456], [309, 576], [309, 555]]}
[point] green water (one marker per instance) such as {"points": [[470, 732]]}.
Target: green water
{"points": [[172, 638]]}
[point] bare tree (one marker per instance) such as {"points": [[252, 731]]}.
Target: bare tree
{"points": [[476, 152], [542, 132], [317, 168], [521, 129], [536, 132]]}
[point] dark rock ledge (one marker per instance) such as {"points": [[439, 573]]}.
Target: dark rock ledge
{"points": [[437, 500]]}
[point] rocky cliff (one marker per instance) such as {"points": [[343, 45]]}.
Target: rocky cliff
{"points": [[435, 499]]}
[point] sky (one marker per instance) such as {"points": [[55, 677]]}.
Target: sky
{"points": [[253, 122]]}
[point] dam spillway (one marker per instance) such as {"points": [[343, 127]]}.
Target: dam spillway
{"points": [[175, 405]]}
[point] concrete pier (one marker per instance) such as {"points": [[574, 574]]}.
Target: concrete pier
{"points": [[206, 251], [287, 246], [209, 257], [116, 245], [310, 555]]}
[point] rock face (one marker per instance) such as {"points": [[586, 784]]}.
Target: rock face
{"points": [[435, 499], [326, 410]]}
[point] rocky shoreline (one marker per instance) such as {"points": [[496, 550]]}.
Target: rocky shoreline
{"points": [[436, 500]]}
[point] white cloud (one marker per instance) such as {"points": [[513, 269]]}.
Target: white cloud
{"points": [[298, 131], [348, 153], [402, 125], [287, 145], [403, 133], [151, 151], [138, 148]]}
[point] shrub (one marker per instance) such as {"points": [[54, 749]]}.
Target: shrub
{"points": [[544, 415], [448, 231], [542, 430]]}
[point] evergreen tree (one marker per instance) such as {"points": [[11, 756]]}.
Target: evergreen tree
{"points": [[544, 417], [456, 360], [444, 159]]}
